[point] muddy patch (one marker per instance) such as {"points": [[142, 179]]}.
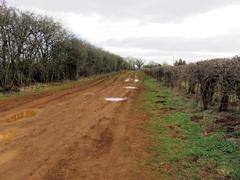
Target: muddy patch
{"points": [[8, 135], [196, 119], [192, 158], [206, 133], [228, 120], [19, 116], [175, 133], [160, 96], [167, 109], [104, 142], [230, 123], [161, 102]]}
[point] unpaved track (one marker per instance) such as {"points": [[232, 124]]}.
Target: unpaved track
{"points": [[75, 134]]}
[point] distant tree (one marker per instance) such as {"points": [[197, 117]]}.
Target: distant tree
{"points": [[152, 64], [180, 62], [131, 62], [139, 63], [165, 63], [3, 2]]}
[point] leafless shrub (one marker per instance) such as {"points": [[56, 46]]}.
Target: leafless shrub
{"points": [[207, 79]]}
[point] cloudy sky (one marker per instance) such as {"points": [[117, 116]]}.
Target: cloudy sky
{"points": [[150, 29]]}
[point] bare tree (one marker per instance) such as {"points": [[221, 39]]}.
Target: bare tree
{"points": [[35, 48], [139, 63]]}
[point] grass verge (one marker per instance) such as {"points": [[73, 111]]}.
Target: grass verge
{"points": [[183, 148], [50, 87]]}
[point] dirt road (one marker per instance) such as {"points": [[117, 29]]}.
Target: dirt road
{"points": [[73, 134]]}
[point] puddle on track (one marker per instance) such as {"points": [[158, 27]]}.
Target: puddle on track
{"points": [[130, 87], [19, 116], [115, 99]]}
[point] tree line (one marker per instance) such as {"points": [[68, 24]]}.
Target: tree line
{"points": [[36, 49], [215, 83]]}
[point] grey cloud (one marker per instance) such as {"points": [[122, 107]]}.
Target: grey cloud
{"points": [[164, 48], [224, 44], [163, 11], [160, 10]]}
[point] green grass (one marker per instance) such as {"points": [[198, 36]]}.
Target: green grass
{"points": [[180, 148]]}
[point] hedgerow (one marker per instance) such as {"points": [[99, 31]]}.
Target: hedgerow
{"points": [[213, 82]]}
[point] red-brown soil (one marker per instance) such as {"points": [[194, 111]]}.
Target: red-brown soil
{"points": [[73, 134]]}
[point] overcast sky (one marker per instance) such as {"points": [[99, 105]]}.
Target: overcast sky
{"points": [[150, 29]]}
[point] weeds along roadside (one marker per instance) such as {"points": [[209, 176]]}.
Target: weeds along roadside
{"points": [[187, 143]]}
